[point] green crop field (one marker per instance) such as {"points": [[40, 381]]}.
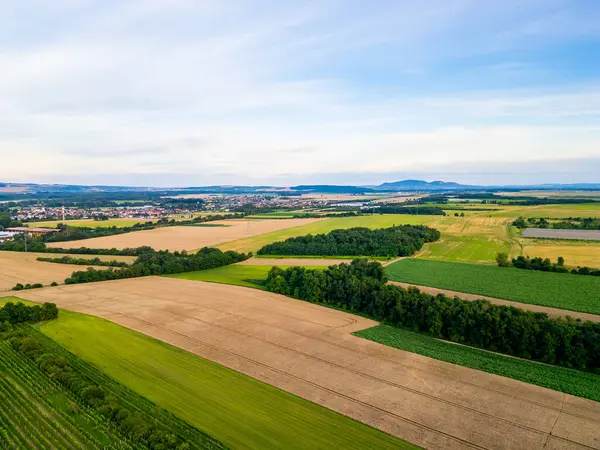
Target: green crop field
{"points": [[239, 275], [558, 290], [231, 407], [561, 379], [34, 411], [489, 234], [38, 411], [566, 210]]}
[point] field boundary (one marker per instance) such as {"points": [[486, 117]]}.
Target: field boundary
{"points": [[552, 312]]}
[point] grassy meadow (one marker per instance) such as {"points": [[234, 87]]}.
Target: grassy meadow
{"points": [[557, 290], [236, 274], [574, 382], [233, 408]]}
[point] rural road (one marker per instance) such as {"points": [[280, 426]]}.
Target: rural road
{"points": [[552, 312], [309, 351]]}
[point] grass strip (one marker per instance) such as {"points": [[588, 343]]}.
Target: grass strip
{"points": [[556, 290], [569, 381]]}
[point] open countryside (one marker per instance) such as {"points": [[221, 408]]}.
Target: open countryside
{"points": [[300, 225], [304, 346]]}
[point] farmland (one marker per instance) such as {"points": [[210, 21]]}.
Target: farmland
{"points": [[561, 379], [40, 409], [240, 411], [184, 237], [556, 290], [16, 267], [308, 351], [541, 233]]}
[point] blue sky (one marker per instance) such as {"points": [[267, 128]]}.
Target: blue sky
{"points": [[174, 92]]}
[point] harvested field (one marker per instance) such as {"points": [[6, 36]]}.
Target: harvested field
{"points": [[550, 233], [18, 267], [308, 350], [187, 238]]}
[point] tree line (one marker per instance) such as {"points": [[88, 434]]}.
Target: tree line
{"points": [[128, 421], [362, 287], [571, 223], [84, 261], [14, 313], [543, 264], [403, 240], [161, 263]]}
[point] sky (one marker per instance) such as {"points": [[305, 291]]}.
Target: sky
{"points": [[194, 92]]}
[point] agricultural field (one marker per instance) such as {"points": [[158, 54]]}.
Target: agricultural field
{"points": [[556, 290], [18, 267], [34, 411], [549, 233], [91, 223], [236, 409], [574, 382], [38, 411], [306, 350], [558, 211], [576, 253], [491, 232], [186, 237]]}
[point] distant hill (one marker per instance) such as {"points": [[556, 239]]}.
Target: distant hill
{"points": [[420, 185]]}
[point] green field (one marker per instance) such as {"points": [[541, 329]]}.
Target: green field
{"points": [[565, 210], [558, 290], [34, 412], [239, 275], [581, 384], [236, 409]]}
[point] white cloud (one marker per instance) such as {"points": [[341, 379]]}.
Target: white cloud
{"points": [[167, 87]]}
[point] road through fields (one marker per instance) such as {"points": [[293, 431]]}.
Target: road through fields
{"points": [[308, 350]]}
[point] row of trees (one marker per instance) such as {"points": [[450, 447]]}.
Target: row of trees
{"points": [[131, 423], [161, 263], [362, 287], [19, 313], [84, 261], [543, 264], [571, 223], [401, 240]]}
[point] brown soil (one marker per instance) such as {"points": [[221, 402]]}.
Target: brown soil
{"points": [[308, 350], [18, 267], [553, 312], [186, 237]]}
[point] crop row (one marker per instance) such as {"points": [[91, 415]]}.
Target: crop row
{"points": [[131, 398], [40, 414]]}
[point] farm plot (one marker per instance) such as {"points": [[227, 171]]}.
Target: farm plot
{"points": [[473, 238], [550, 233], [309, 351], [556, 290], [186, 238], [17, 267]]}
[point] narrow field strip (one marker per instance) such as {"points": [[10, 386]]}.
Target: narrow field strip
{"points": [[552, 312], [565, 291], [574, 382]]}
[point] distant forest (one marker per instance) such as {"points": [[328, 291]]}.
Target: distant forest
{"points": [[403, 240]]}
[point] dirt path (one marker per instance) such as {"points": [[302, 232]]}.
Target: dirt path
{"points": [[553, 312], [308, 350]]}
